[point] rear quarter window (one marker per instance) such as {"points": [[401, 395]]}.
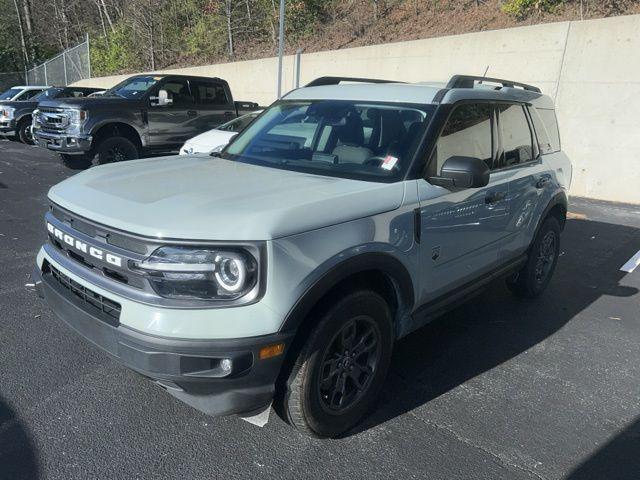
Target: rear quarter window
{"points": [[549, 126]]}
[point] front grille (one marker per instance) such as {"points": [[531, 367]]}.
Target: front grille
{"points": [[52, 120], [108, 310]]}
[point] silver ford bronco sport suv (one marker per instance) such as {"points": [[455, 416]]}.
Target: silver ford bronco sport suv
{"points": [[284, 268]]}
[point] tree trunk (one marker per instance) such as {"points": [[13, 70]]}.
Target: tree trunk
{"points": [[107, 16], [229, 29], [23, 43]]}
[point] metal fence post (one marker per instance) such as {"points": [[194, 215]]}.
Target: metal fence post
{"points": [[298, 57], [64, 66], [88, 57], [46, 82]]}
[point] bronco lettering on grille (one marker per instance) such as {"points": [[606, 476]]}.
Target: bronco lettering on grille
{"points": [[83, 247]]}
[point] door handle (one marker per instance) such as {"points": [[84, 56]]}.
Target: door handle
{"points": [[192, 113], [542, 181], [494, 197]]}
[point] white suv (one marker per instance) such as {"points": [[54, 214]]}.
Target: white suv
{"points": [[342, 218]]}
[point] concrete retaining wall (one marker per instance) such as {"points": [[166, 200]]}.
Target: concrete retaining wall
{"points": [[591, 68]]}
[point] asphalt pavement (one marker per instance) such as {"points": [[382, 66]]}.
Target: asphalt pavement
{"points": [[497, 389]]}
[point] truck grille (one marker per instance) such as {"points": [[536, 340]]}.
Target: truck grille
{"points": [[52, 120], [107, 309]]}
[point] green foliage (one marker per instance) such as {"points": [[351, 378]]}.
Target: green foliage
{"points": [[113, 53], [207, 37], [523, 8]]}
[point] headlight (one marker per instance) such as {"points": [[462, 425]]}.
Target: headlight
{"points": [[77, 117], [34, 118], [201, 273], [7, 112], [186, 149]]}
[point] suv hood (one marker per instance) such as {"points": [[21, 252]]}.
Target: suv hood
{"points": [[206, 198]]}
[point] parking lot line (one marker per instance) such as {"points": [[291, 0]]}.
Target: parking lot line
{"points": [[632, 263]]}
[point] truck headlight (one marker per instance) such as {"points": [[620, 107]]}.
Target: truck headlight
{"points": [[201, 273], [7, 112], [77, 117]]}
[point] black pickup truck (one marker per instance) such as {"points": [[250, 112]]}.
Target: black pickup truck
{"points": [[141, 115], [15, 116]]}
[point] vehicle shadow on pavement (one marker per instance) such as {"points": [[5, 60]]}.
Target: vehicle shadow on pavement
{"points": [[495, 327], [18, 457], [619, 459]]}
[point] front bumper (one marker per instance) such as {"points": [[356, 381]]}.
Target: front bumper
{"points": [[7, 127], [63, 143], [190, 370]]}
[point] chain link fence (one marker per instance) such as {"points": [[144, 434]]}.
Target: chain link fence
{"points": [[10, 79], [70, 66]]}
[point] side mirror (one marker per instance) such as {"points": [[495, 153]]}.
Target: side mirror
{"points": [[162, 100], [462, 172]]}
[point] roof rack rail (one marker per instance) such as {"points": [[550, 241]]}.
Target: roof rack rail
{"points": [[322, 81], [467, 81]]}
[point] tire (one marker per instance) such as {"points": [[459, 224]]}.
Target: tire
{"points": [[534, 277], [115, 149], [23, 132], [361, 320], [76, 162]]}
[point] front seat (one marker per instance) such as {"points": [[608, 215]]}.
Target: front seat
{"points": [[350, 140]]}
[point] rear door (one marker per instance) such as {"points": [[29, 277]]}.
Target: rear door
{"points": [[462, 231], [172, 125], [214, 103], [531, 184]]}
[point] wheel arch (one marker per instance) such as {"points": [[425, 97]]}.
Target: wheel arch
{"points": [[557, 207], [117, 128], [380, 272]]}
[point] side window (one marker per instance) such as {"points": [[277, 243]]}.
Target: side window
{"points": [[517, 144], [179, 92], [544, 142], [466, 134], [210, 93], [550, 121], [29, 94]]}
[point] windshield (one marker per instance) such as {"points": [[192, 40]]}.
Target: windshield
{"points": [[360, 140], [239, 123], [9, 94], [48, 94], [134, 87]]}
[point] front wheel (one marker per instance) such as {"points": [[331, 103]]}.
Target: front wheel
{"points": [[76, 162], [24, 131], [342, 367], [115, 149], [543, 257]]}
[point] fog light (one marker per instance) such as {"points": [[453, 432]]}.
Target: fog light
{"points": [[226, 364]]}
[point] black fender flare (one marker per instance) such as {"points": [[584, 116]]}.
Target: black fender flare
{"points": [[559, 198], [371, 261]]}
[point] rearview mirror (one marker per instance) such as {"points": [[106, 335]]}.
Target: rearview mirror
{"points": [[462, 172], [162, 99]]}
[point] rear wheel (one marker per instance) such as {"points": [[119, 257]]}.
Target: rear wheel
{"points": [[76, 162], [543, 256], [24, 131], [339, 373], [115, 149]]}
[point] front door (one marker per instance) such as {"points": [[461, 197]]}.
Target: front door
{"points": [[172, 125], [463, 231]]}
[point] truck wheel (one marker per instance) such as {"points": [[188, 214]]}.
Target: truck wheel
{"points": [[339, 373], [115, 149], [24, 131], [543, 257], [76, 162]]}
